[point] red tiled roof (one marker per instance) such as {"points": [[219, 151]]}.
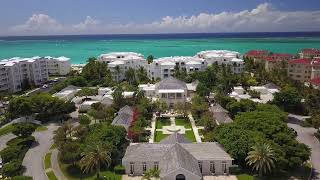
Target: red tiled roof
{"points": [[315, 81], [278, 57], [316, 62], [311, 51], [257, 52], [300, 61]]}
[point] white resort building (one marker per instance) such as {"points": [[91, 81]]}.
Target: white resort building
{"points": [[220, 57], [120, 62], [58, 66], [177, 159], [169, 90], [164, 67], [15, 72]]}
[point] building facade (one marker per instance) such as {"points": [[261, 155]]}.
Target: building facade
{"points": [[224, 57], [177, 158], [165, 67], [120, 62], [60, 66], [277, 61], [300, 69], [310, 53], [17, 72], [257, 55]]}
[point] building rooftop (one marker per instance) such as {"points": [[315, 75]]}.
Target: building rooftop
{"points": [[172, 60], [315, 81], [300, 61], [121, 56], [171, 83], [218, 53], [257, 53], [124, 117]]}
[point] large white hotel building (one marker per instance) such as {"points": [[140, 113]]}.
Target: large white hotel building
{"points": [[36, 70], [120, 62]]}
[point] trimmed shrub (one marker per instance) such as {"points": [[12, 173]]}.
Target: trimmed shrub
{"points": [[24, 129], [12, 168], [22, 178], [21, 141], [119, 169]]}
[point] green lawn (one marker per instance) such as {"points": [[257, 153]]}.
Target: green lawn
{"points": [[74, 173], [41, 128], [159, 136], [47, 161], [183, 122], [302, 173], [189, 135], [6, 130], [51, 175], [162, 121]]}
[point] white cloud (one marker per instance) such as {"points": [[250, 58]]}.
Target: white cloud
{"points": [[261, 19]]}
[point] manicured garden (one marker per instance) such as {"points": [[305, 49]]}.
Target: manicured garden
{"points": [[180, 121], [162, 121], [190, 136], [159, 136], [6, 130], [47, 160], [51, 175]]}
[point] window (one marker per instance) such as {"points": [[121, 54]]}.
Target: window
{"points": [[200, 166], [144, 167], [179, 95], [212, 169], [156, 165], [171, 95], [224, 167], [163, 95], [131, 168]]}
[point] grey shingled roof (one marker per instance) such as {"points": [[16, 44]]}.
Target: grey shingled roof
{"points": [[220, 114], [173, 156], [124, 117], [177, 157], [175, 138], [171, 83]]}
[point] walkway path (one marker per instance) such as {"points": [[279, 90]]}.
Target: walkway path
{"points": [[55, 165], [173, 121], [306, 136], [4, 139], [33, 160], [153, 128], [194, 128]]}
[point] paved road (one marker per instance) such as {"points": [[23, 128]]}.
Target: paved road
{"points": [[4, 139], [306, 136], [55, 165], [33, 160]]}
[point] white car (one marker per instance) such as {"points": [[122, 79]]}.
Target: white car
{"points": [[45, 86]]}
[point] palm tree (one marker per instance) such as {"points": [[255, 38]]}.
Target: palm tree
{"points": [[151, 173], [261, 158], [118, 72], [93, 157]]}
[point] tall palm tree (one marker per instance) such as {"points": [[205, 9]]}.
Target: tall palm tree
{"points": [[261, 158], [118, 72], [94, 157]]}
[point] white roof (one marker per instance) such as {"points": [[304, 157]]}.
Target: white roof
{"points": [[121, 55], [89, 103], [173, 60], [217, 53], [118, 62], [147, 87], [171, 91]]}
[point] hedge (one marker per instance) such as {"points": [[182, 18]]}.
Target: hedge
{"points": [[13, 168], [119, 169], [22, 178]]}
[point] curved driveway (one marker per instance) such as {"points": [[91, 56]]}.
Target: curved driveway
{"points": [[4, 139], [33, 160], [306, 136]]}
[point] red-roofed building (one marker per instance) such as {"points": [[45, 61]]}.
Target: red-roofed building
{"points": [[315, 83], [315, 68], [310, 53], [277, 61], [300, 69], [257, 55]]}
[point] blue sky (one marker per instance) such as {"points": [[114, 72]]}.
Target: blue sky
{"points": [[17, 16]]}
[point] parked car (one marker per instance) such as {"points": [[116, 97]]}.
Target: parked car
{"points": [[45, 86]]}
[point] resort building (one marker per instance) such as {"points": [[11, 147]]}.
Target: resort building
{"points": [[257, 55], [309, 53], [17, 72], [124, 117], [300, 69], [223, 57], [266, 93], [120, 62], [277, 61], [60, 66], [165, 67], [169, 90], [315, 71], [177, 159], [67, 93]]}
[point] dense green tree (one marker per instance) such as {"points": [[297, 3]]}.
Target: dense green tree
{"points": [[84, 120], [261, 158], [288, 99], [198, 106], [202, 90], [243, 105], [150, 59], [23, 129], [118, 71], [96, 72], [20, 106], [87, 92], [118, 98], [94, 157], [130, 76], [142, 76], [76, 81]]}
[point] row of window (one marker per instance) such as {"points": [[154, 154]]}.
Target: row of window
{"points": [[171, 95], [156, 166]]}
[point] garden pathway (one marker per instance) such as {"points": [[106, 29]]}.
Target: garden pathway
{"points": [[55, 165], [153, 128], [194, 128], [173, 121], [4, 139]]}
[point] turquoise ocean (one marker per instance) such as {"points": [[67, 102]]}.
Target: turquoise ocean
{"points": [[79, 48]]}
